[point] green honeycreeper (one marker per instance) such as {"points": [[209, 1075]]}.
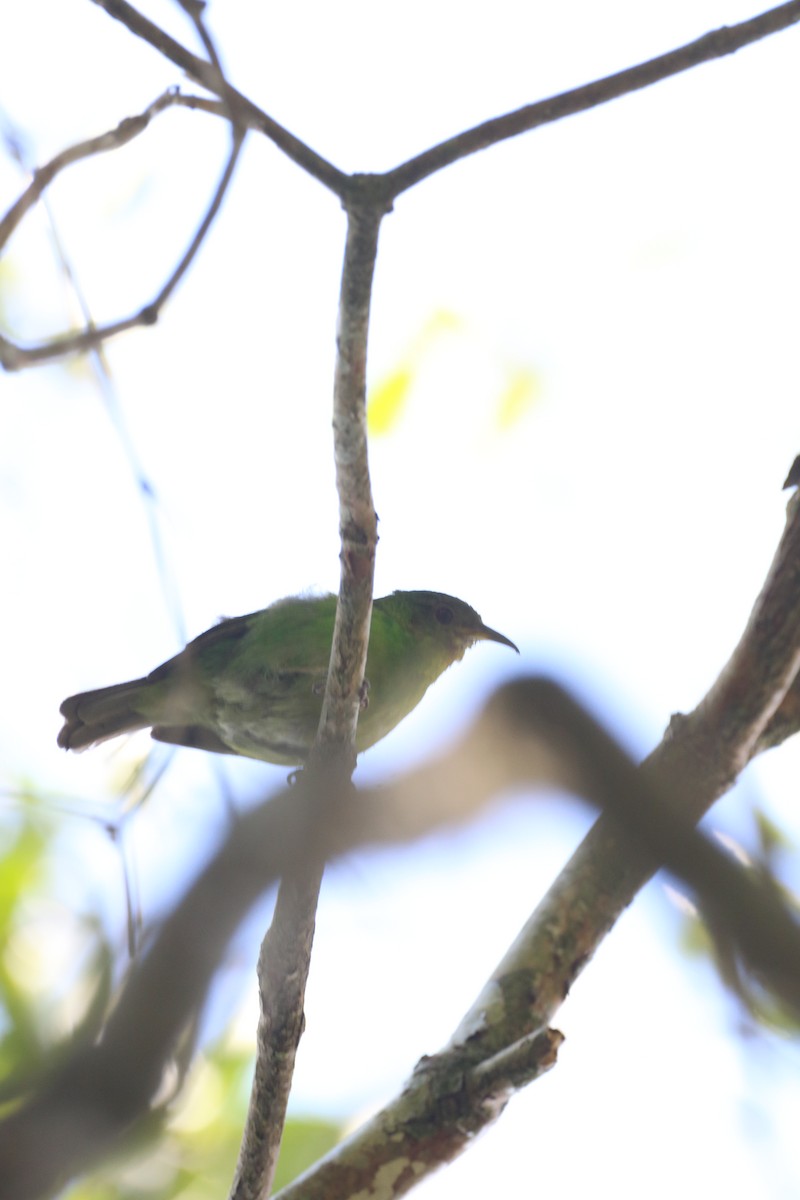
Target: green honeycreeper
{"points": [[253, 685]]}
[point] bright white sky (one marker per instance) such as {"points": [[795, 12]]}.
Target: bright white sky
{"points": [[642, 262]]}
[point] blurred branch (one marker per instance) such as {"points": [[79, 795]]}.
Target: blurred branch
{"points": [[95, 1097], [97, 1094], [14, 357], [530, 733], [784, 722], [286, 951]]}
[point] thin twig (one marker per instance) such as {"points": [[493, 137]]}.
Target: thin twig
{"points": [[203, 72], [126, 131], [712, 45], [107, 389], [715, 44], [14, 357], [149, 314]]}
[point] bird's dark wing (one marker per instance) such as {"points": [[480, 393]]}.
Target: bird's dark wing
{"points": [[221, 638], [195, 736]]}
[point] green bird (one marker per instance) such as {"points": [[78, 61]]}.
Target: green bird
{"points": [[253, 685]]}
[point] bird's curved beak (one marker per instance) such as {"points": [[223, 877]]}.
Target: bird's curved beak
{"points": [[485, 634]]}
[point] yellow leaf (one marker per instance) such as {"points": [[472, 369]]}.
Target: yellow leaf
{"points": [[518, 397], [388, 400]]}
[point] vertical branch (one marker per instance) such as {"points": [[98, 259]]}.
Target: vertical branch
{"points": [[286, 950], [282, 973], [358, 522]]}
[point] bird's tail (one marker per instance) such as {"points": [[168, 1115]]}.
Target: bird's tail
{"points": [[92, 717]]}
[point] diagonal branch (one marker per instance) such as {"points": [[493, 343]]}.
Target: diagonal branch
{"points": [[442, 1106], [97, 1092], [717, 44], [203, 72], [127, 129], [531, 732]]}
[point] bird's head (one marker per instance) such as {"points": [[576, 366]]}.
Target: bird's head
{"points": [[448, 622]]}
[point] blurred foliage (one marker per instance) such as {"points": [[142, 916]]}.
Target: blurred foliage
{"points": [[55, 963], [57, 967], [517, 397], [305, 1139], [388, 401], [8, 281], [189, 1147], [696, 940]]}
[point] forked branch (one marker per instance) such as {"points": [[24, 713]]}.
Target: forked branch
{"points": [[360, 190]]}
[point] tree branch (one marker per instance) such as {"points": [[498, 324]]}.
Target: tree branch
{"points": [[353, 190], [203, 72], [717, 44], [530, 733], [14, 357], [126, 131], [283, 966], [697, 761], [285, 953], [94, 1098]]}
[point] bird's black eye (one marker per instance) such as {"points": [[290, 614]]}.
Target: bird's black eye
{"points": [[443, 614]]}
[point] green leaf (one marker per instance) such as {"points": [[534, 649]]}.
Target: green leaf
{"points": [[305, 1140]]}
